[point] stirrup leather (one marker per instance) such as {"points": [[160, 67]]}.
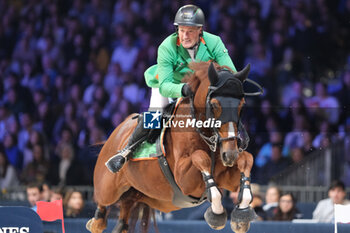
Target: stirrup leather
{"points": [[124, 153]]}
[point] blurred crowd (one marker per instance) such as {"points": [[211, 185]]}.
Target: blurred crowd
{"points": [[71, 71], [272, 205], [73, 201]]}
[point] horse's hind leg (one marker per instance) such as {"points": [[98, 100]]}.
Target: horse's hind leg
{"points": [[99, 222], [243, 213], [127, 205], [125, 210], [215, 215]]}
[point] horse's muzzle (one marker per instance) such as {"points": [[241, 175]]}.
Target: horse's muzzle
{"points": [[229, 157]]}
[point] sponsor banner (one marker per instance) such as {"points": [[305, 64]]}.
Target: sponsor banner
{"points": [[14, 219]]}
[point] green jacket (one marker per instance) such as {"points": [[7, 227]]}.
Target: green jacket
{"points": [[173, 60]]}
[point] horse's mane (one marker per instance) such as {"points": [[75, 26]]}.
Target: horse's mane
{"points": [[200, 73]]}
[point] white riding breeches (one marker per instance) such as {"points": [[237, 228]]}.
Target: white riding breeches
{"points": [[157, 100]]}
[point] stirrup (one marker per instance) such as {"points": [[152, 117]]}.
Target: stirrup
{"points": [[116, 162]]}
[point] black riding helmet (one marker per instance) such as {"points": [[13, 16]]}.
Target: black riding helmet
{"points": [[189, 15]]}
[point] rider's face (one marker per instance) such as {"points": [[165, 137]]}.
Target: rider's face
{"points": [[189, 35]]}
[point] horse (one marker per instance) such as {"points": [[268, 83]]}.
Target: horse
{"points": [[203, 161]]}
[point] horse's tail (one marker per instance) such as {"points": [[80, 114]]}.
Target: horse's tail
{"points": [[144, 213]]}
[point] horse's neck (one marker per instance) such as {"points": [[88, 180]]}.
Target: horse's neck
{"points": [[185, 109]]}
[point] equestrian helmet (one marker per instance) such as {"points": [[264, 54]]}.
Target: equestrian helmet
{"points": [[189, 15]]}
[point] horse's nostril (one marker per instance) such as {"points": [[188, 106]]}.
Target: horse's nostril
{"points": [[224, 156]]}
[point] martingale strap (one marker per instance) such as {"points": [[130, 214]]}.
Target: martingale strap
{"points": [[179, 199]]}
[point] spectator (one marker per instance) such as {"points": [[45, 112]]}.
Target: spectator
{"points": [[29, 79], [8, 175], [34, 194], [46, 194], [324, 211], [260, 61], [99, 54], [308, 147], [325, 130], [293, 96], [57, 193], [37, 170], [125, 54], [325, 106], [97, 80], [113, 78], [297, 154], [296, 108], [26, 120], [257, 202], [265, 152], [276, 164], [67, 170], [73, 204], [294, 138], [272, 197], [343, 95], [12, 151], [286, 209], [35, 138], [5, 120], [14, 103]]}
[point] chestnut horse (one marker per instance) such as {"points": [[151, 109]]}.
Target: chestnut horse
{"points": [[202, 160]]}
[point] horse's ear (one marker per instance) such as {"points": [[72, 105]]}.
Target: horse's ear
{"points": [[213, 75], [243, 74]]}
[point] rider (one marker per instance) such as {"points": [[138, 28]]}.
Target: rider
{"points": [[189, 43]]}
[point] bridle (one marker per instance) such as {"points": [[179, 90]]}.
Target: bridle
{"points": [[232, 103]]}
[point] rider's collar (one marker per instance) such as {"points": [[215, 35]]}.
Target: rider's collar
{"points": [[201, 39]]}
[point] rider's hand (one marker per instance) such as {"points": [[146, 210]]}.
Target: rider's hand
{"points": [[186, 91]]}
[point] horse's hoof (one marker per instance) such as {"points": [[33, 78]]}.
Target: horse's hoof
{"points": [[240, 219], [95, 225], [243, 215], [215, 221], [240, 227], [88, 225]]}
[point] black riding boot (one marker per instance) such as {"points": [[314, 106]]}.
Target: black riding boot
{"points": [[116, 162]]}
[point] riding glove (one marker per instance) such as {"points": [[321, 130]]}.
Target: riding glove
{"points": [[186, 90]]}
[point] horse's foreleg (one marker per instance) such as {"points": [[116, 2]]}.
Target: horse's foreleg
{"points": [[244, 164], [213, 193], [99, 222], [215, 215], [243, 213]]}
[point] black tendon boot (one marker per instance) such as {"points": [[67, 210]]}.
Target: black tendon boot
{"points": [[116, 162]]}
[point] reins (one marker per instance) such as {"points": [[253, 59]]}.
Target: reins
{"points": [[211, 141]]}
